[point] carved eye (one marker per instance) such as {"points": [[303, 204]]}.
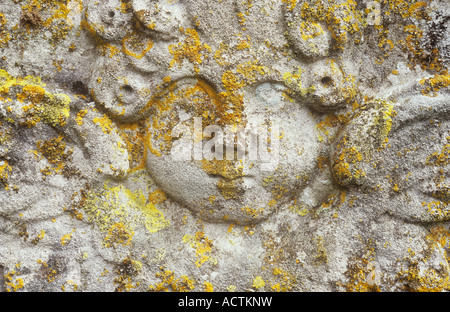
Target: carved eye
{"points": [[108, 19]]}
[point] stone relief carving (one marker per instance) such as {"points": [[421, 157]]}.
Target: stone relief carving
{"points": [[335, 115]]}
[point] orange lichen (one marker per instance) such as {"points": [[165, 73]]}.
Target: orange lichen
{"points": [[56, 154], [208, 287], [13, 283], [51, 272], [169, 282], [134, 45], [38, 104], [105, 123], [65, 239], [442, 158], [286, 281], [202, 245], [5, 36], [434, 84], [126, 271], [191, 49], [5, 169], [118, 234]]}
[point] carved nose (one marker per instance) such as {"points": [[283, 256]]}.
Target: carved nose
{"points": [[230, 149]]}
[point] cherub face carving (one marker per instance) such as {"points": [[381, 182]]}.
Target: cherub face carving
{"points": [[135, 79], [240, 190]]}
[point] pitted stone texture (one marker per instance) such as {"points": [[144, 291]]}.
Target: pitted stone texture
{"points": [[92, 93]]}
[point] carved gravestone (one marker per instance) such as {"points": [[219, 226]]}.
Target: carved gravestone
{"points": [[224, 145]]}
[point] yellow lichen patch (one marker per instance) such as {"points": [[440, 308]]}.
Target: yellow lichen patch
{"points": [[80, 116], [310, 30], [126, 271], [13, 283], [367, 133], [157, 197], [105, 123], [220, 54], [51, 272], [417, 276], [67, 284], [342, 19], [208, 287], [250, 71], [38, 104], [65, 239], [125, 6], [291, 4], [192, 50], [252, 212], [133, 136], [362, 276], [31, 93], [321, 257], [118, 234], [169, 282], [119, 205], [417, 54], [407, 8], [294, 82], [233, 81], [136, 46], [202, 246], [55, 110], [243, 45], [54, 16], [441, 158], [327, 129], [434, 84], [154, 219], [5, 36], [285, 281], [5, 169], [258, 282], [299, 209], [342, 165], [438, 209], [274, 254], [57, 9], [438, 239], [38, 237], [429, 280], [241, 17], [362, 272], [56, 154]]}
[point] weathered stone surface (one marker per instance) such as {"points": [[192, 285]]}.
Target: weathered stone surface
{"points": [[108, 182]]}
